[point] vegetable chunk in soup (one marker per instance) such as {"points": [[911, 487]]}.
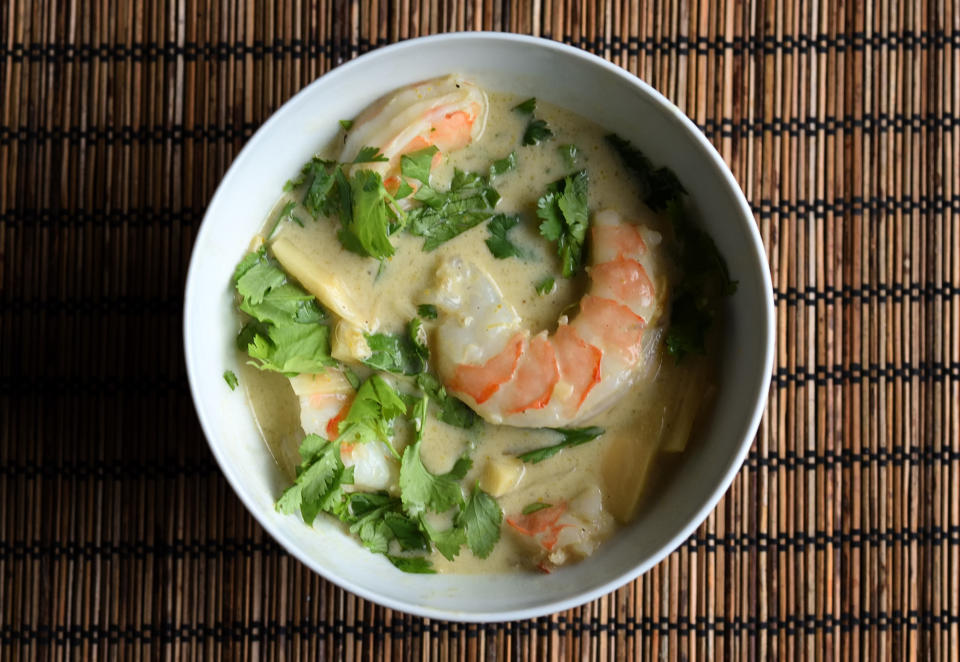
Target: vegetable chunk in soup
{"points": [[473, 328]]}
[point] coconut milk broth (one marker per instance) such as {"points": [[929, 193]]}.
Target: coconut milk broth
{"points": [[620, 460]]}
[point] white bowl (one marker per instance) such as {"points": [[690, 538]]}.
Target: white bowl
{"points": [[562, 75]]}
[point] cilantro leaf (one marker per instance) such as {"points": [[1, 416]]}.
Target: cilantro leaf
{"points": [[405, 531], [452, 410], [371, 414], [421, 490], [497, 242], [480, 520], [249, 261], [659, 185], [403, 353], [703, 284], [444, 215], [427, 311], [378, 519], [526, 107], [448, 541], [570, 437], [230, 379], [506, 164], [346, 124], [287, 335], [368, 229], [546, 286], [285, 213], [323, 187], [416, 165], [259, 279], [413, 564], [536, 132], [531, 508], [565, 219], [319, 480], [369, 154]]}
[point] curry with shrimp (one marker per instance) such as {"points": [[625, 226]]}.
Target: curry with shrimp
{"points": [[475, 328]]}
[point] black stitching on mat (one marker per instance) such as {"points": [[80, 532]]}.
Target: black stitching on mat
{"points": [[936, 371], [404, 628], [896, 293], [857, 206], [847, 458], [115, 470], [93, 305], [245, 547], [299, 49], [179, 134], [113, 218]]}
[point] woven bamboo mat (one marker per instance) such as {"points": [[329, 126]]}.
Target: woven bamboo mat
{"points": [[840, 538]]}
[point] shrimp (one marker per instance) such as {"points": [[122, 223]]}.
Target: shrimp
{"points": [[325, 399], [486, 357], [563, 532], [447, 113]]}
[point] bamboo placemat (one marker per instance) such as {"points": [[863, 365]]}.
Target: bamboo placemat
{"points": [[838, 539]]}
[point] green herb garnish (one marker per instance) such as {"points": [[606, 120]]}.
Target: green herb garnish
{"points": [[570, 437], [401, 353], [287, 334], [546, 286], [346, 124], [369, 154], [704, 279], [452, 410], [536, 132], [526, 107], [230, 379], [445, 214], [320, 477], [658, 185], [531, 508], [371, 414], [498, 243], [416, 165], [506, 164], [565, 219], [427, 311]]}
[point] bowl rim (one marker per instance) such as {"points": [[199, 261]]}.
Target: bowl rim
{"points": [[759, 398]]}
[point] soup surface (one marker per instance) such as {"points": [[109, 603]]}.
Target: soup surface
{"points": [[511, 508]]}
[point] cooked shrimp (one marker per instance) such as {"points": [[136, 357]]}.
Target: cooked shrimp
{"points": [[446, 112], [487, 357], [325, 400], [563, 532]]}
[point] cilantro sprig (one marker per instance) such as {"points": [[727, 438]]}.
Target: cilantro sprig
{"points": [[537, 130], [705, 280], [369, 214], [400, 353], [288, 333], [401, 527], [372, 413], [469, 201], [565, 218], [476, 521]]}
